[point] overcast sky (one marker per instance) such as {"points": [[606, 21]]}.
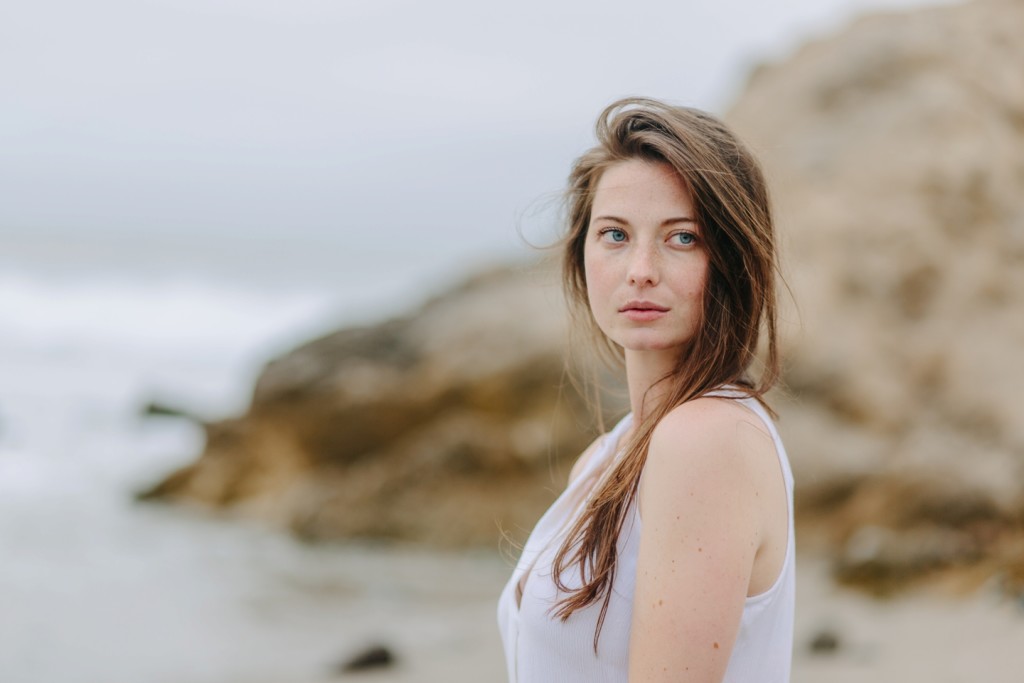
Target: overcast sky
{"points": [[367, 122]]}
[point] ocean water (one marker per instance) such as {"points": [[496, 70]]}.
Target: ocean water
{"points": [[95, 587]]}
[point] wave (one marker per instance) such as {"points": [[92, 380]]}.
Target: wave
{"points": [[166, 317]]}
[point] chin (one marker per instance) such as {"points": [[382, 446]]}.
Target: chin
{"points": [[649, 344]]}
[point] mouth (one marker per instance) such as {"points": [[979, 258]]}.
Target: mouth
{"points": [[643, 311], [643, 306]]}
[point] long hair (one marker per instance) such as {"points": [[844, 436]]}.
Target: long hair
{"points": [[738, 312]]}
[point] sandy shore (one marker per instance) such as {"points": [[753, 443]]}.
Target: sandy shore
{"points": [[443, 629], [918, 637]]}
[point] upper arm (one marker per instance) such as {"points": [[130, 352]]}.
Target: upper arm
{"points": [[700, 534]]}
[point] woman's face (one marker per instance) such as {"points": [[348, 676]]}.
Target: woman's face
{"points": [[644, 257]]}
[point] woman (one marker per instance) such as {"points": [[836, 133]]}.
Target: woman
{"points": [[670, 555]]}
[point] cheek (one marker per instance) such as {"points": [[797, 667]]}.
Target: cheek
{"points": [[590, 274], [697, 285], [692, 287], [700, 294], [699, 276], [597, 287]]}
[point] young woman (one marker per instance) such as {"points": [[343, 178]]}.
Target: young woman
{"points": [[670, 555]]}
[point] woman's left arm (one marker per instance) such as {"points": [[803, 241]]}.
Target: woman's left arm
{"points": [[699, 505]]}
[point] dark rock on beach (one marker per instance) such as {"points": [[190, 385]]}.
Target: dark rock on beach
{"points": [[372, 657], [824, 642], [160, 409]]}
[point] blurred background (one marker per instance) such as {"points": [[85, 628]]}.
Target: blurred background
{"points": [[279, 372]]}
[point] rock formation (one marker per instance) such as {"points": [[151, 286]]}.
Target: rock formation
{"points": [[896, 150], [447, 426]]}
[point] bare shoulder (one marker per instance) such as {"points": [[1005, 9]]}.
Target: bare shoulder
{"points": [[709, 443], [714, 421]]}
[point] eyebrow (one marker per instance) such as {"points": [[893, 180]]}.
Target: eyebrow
{"points": [[669, 221]]}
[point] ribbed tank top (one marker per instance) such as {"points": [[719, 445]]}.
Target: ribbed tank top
{"points": [[540, 648]]}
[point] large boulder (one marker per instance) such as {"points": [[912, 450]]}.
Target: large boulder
{"points": [[450, 425], [896, 151]]}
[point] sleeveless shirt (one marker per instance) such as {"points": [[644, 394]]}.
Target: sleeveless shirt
{"points": [[540, 647]]}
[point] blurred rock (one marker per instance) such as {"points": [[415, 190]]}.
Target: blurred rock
{"points": [[158, 409], [446, 426], [373, 657], [825, 641], [885, 560], [896, 152]]}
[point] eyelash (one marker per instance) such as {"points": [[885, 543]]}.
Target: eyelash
{"points": [[606, 231]]}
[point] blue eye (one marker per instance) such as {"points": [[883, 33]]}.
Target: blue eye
{"points": [[685, 238], [614, 234]]}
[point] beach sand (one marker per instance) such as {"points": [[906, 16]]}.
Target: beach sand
{"points": [[445, 630]]}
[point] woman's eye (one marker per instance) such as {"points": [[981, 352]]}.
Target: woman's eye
{"points": [[684, 238], [614, 235]]}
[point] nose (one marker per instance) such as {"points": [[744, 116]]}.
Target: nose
{"points": [[643, 266]]}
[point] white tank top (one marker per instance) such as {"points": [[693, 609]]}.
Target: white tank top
{"points": [[540, 647]]}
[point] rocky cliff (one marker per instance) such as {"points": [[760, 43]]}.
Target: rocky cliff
{"points": [[896, 151], [896, 154]]}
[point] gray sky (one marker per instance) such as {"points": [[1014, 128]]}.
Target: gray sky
{"points": [[381, 124]]}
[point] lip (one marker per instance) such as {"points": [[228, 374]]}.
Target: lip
{"points": [[643, 311], [640, 305]]}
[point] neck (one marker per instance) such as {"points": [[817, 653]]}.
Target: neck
{"points": [[643, 370]]}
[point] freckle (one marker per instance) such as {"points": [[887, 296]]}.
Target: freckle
{"points": [[716, 646], [700, 550], [661, 602]]}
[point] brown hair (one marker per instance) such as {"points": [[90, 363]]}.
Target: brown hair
{"points": [[730, 197]]}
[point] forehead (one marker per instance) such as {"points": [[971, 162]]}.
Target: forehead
{"points": [[641, 188]]}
